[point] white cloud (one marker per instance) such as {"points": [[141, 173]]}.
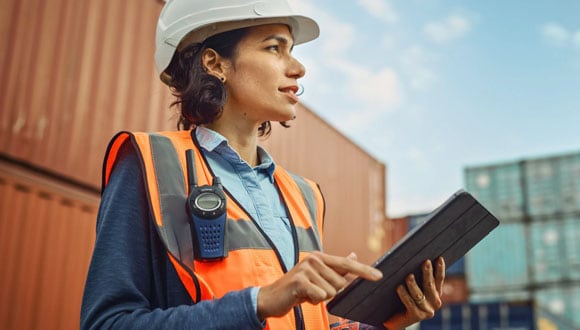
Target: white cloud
{"points": [[453, 27], [556, 34], [373, 91], [404, 203], [415, 62], [379, 8], [373, 88], [335, 78], [577, 38], [336, 36]]}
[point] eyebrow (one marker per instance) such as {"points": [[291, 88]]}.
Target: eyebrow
{"points": [[281, 39]]}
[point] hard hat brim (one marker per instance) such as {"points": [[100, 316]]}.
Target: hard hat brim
{"points": [[303, 29]]}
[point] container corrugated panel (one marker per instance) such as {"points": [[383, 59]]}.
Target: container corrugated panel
{"points": [[508, 316], [553, 184], [547, 247], [74, 73], [353, 182], [47, 232], [549, 321], [499, 188], [562, 301], [499, 295], [554, 249], [396, 229], [572, 245], [499, 262]]}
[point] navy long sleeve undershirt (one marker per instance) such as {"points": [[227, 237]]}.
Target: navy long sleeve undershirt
{"points": [[131, 283]]}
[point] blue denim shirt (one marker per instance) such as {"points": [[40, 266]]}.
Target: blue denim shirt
{"points": [[253, 188]]}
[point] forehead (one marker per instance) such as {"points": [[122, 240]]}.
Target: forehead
{"points": [[261, 32]]}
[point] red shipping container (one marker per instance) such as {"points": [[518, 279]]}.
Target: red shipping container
{"points": [[455, 290]]}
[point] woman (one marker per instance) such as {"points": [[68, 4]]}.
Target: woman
{"points": [[160, 264]]}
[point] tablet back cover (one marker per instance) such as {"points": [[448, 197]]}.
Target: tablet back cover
{"points": [[450, 231]]}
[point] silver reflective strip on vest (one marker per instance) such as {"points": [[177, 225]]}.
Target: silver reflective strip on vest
{"points": [[310, 201], [175, 231], [308, 240], [242, 234]]}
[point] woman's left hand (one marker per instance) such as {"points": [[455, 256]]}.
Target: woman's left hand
{"points": [[420, 304]]}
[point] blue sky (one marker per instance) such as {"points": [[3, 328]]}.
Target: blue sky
{"points": [[432, 86]]}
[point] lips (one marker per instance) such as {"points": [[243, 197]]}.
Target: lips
{"points": [[290, 91]]}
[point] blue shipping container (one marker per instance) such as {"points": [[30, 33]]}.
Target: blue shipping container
{"points": [[506, 316]]}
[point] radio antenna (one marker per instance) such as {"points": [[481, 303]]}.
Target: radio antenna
{"points": [[191, 175]]}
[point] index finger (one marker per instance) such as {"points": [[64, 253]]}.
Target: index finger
{"points": [[344, 266]]}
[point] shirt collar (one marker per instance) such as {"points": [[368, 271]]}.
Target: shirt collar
{"points": [[266, 163], [213, 141], [209, 139]]}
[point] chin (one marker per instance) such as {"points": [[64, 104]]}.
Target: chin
{"points": [[290, 114]]}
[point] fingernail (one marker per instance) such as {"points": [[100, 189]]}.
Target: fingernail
{"points": [[428, 265], [377, 273]]}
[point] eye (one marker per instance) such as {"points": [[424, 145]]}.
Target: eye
{"points": [[273, 48]]}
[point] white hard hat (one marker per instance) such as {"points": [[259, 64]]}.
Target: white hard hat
{"points": [[200, 19]]}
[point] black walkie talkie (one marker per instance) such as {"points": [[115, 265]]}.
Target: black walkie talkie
{"points": [[206, 205]]}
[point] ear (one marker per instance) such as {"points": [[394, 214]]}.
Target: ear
{"points": [[214, 64]]}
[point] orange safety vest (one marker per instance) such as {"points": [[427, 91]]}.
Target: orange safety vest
{"points": [[252, 258]]}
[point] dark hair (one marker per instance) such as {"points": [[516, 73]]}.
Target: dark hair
{"points": [[201, 96]]}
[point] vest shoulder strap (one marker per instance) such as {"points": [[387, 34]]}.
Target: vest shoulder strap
{"points": [[165, 184]]}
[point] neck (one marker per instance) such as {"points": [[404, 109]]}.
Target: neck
{"points": [[242, 138]]}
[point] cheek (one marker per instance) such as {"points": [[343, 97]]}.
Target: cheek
{"points": [[257, 73]]}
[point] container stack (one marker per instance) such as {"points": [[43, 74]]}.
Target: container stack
{"points": [[483, 316], [535, 253]]}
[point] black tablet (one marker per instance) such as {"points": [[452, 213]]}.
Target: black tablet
{"points": [[449, 231]]}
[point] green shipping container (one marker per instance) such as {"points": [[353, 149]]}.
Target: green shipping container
{"points": [[555, 250], [499, 262], [499, 188], [562, 301], [552, 185], [519, 255]]}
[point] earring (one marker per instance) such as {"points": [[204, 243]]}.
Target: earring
{"points": [[223, 79]]}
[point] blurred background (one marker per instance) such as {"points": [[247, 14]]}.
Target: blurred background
{"points": [[404, 103]]}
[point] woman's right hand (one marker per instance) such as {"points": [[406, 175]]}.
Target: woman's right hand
{"points": [[317, 278]]}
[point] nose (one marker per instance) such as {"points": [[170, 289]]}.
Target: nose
{"points": [[295, 69]]}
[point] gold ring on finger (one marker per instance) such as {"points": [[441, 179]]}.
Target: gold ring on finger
{"points": [[420, 300]]}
